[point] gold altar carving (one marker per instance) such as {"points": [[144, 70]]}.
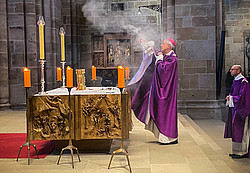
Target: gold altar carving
{"points": [[49, 116], [100, 116], [93, 117]]}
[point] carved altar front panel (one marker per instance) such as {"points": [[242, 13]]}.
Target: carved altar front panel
{"points": [[94, 116], [99, 116], [49, 117]]}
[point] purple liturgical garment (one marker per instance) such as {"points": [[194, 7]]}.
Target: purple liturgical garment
{"points": [[236, 115], [159, 81]]}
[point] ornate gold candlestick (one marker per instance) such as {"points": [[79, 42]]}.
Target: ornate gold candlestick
{"points": [[28, 143], [70, 145], [80, 74], [121, 149]]}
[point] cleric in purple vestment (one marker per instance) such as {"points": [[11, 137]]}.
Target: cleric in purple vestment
{"points": [[237, 125], [154, 91]]}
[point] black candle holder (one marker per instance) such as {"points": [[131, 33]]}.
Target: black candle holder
{"points": [[121, 149], [28, 143], [70, 145]]}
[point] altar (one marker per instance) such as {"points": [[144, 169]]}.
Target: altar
{"points": [[97, 113]]}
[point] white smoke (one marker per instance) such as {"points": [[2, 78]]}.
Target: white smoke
{"points": [[105, 20]]}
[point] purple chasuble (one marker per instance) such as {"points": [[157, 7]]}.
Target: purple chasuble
{"points": [[160, 82], [236, 115]]}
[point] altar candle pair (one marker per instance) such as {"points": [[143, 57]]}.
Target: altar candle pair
{"points": [[121, 81], [93, 72], [59, 74], [26, 74], [69, 73]]}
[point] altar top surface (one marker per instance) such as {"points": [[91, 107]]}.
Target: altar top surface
{"points": [[88, 91]]}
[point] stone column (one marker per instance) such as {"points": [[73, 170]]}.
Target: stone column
{"points": [[168, 19], [4, 81], [52, 17], [171, 19]]}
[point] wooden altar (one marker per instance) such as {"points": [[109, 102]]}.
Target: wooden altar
{"points": [[97, 113]]}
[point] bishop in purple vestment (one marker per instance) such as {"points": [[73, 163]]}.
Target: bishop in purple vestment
{"points": [[154, 93], [237, 125]]}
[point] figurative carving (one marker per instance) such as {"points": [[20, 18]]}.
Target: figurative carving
{"points": [[101, 115], [50, 117]]}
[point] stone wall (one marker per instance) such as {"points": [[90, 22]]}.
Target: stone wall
{"points": [[196, 49], [16, 52], [4, 73], [24, 47], [237, 21]]}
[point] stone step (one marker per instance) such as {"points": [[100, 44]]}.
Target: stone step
{"points": [[214, 152]]}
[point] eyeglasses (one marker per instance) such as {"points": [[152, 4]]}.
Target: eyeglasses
{"points": [[233, 69]]}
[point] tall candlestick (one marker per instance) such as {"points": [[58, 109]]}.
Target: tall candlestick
{"points": [[26, 74], [59, 74], [121, 81], [126, 72], [93, 73], [41, 24], [62, 33], [69, 74]]}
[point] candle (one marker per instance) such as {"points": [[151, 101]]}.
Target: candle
{"points": [[127, 72], [41, 24], [62, 33], [93, 72], [121, 82], [26, 74], [69, 73], [59, 74]]}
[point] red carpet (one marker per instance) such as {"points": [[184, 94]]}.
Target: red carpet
{"points": [[11, 142]]}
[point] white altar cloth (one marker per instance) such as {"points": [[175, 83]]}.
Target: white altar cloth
{"points": [[88, 91]]}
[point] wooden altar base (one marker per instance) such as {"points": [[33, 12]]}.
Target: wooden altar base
{"points": [[87, 145]]}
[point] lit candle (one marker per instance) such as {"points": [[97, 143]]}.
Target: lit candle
{"points": [[26, 74], [62, 33], [121, 81], [69, 74], [59, 74], [127, 72], [93, 72], [41, 24]]}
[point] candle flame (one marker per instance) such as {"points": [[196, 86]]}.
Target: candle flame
{"points": [[25, 69]]}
